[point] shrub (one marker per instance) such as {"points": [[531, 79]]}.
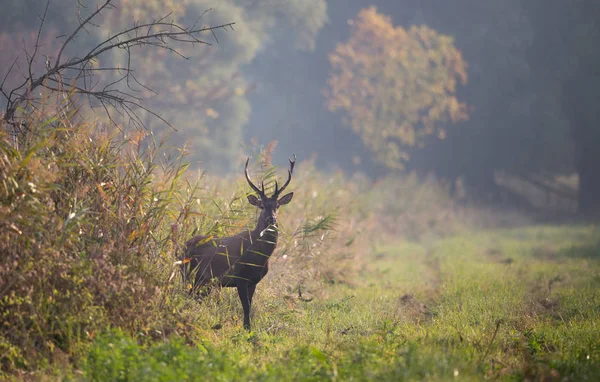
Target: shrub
{"points": [[83, 235]]}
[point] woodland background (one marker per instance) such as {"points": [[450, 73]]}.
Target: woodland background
{"points": [[526, 85], [444, 221]]}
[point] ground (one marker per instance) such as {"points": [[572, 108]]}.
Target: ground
{"points": [[521, 303]]}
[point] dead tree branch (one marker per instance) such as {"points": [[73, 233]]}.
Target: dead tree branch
{"points": [[77, 75]]}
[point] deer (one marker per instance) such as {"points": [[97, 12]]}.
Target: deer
{"points": [[241, 260]]}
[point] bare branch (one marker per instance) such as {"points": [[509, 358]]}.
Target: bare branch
{"points": [[81, 26], [37, 39], [79, 72], [5, 77]]}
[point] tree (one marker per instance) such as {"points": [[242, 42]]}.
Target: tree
{"points": [[396, 86], [82, 74], [565, 49], [207, 101], [516, 125], [205, 98]]}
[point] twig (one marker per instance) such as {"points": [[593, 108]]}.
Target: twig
{"points": [[157, 34], [498, 322], [37, 39]]}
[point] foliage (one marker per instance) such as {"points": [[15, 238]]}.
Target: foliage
{"points": [[513, 99], [81, 236], [91, 225], [396, 86], [204, 98], [117, 357], [92, 221]]}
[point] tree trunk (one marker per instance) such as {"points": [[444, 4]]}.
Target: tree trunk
{"points": [[588, 167], [581, 105]]}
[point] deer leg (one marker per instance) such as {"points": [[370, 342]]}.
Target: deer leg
{"points": [[245, 298], [251, 288]]}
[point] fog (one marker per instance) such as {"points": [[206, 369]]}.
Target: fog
{"points": [[532, 90]]}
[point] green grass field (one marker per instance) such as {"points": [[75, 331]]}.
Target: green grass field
{"points": [[510, 304]]}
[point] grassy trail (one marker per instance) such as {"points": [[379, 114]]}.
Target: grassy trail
{"points": [[509, 304]]}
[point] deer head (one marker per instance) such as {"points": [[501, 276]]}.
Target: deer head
{"points": [[269, 205]]}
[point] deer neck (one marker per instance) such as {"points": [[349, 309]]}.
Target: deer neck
{"points": [[265, 233]]}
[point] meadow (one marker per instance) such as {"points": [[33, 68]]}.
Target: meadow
{"points": [[372, 280], [513, 304]]}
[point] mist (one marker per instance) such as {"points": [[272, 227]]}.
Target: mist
{"points": [[531, 91], [527, 64]]}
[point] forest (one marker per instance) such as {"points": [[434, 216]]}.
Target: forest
{"points": [[443, 168]]}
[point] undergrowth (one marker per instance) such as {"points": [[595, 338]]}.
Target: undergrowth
{"points": [[92, 219], [456, 310], [384, 280]]}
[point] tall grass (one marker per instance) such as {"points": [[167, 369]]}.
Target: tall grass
{"points": [[83, 235], [92, 220]]}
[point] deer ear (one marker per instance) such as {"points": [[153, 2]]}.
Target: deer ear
{"points": [[285, 199], [254, 201]]}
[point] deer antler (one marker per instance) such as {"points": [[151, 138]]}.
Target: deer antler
{"points": [[259, 192], [290, 171]]}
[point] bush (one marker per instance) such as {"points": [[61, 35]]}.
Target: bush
{"points": [[82, 237]]}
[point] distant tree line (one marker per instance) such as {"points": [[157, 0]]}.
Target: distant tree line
{"points": [[519, 83], [204, 99], [532, 93]]}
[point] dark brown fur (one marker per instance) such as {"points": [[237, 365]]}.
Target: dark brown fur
{"points": [[241, 260]]}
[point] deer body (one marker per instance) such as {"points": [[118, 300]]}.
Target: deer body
{"points": [[227, 258], [241, 260]]}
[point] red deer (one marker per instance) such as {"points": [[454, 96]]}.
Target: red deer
{"points": [[241, 260]]}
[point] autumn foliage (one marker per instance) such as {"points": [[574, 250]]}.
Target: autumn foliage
{"points": [[395, 86]]}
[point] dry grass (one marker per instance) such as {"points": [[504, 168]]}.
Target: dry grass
{"points": [[92, 220]]}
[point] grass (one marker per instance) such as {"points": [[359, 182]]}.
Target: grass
{"points": [[387, 281], [506, 304]]}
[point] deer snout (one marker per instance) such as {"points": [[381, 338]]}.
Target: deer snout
{"points": [[271, 220]]}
